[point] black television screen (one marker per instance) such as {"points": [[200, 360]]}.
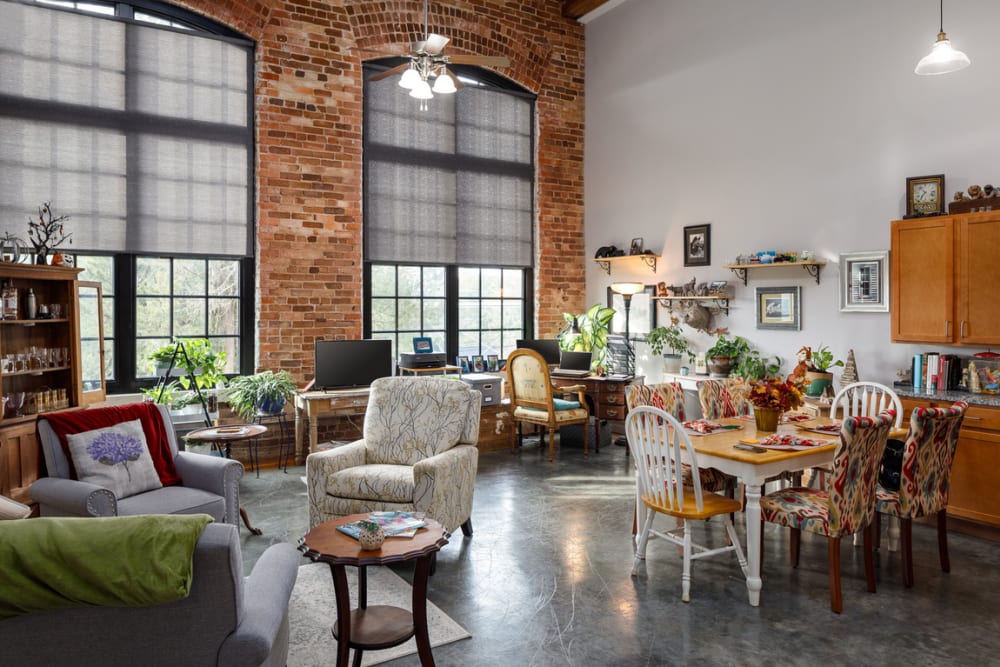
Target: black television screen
{"points": [[547, 347], [341, 364]]}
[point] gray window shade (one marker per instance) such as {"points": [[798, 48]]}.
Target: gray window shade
{"points": [[450, 185], [141, 135]]}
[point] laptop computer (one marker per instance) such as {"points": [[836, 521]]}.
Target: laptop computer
{"points": [[573, 364]]}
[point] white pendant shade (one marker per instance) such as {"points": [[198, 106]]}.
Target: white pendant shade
{"points": [[444, 84], [409, 79], [942, 59], [422, 91], [628, 288]]}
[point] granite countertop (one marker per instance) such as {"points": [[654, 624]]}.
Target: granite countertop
{"points": [[991, 400]]}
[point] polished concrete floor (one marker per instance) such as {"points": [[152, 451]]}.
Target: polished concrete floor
{"points": [[545, 581]]}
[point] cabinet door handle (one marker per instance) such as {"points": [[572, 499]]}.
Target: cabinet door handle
{"points": [[962, 335], [612, 414], [969, 418], [947, 328]]}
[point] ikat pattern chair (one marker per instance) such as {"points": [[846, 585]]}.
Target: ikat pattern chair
{"points": [[846, 506], [660, 450], [533, 397], [924, 479], [724, 398], [418, 455]]}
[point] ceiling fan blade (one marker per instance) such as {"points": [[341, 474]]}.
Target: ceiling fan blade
{"points": [[434, 43], [494, 61], [389, 72]]}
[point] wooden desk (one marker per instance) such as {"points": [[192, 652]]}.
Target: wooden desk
{"points": [[434, 370], [373, 628], [311, 406], [607, 398]]}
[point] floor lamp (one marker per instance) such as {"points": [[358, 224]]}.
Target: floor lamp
{"points": [[627, 290]]}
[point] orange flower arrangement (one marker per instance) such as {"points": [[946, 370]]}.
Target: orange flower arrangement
{"points": [[775, 393]]}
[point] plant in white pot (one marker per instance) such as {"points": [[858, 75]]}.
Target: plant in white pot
{"points": [[264, 393], [669, 338]]}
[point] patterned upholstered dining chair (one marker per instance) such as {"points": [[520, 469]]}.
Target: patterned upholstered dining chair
{"points": [[535, 401], [924, 480], [724, 398], [845, 506]]}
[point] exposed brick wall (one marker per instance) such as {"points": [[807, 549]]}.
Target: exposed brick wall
{"points": [[309, 129]]}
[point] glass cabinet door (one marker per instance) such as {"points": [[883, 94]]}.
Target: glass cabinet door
{"points": [[92, 358]]}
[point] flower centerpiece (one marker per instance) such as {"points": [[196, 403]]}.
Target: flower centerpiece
{"points": [[771, 396]]}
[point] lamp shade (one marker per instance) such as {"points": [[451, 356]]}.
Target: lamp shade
{"points": [[444, 84], [409, 79], [628, 288], [422, 91], [942, 59]]}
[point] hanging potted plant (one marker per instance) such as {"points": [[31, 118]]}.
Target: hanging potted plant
{"points": [[669, 338], [818, 376], [262, 394]]}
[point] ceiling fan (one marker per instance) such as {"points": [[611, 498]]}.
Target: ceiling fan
{"points": [[427, 60]]}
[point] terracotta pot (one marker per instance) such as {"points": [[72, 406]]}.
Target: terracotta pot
{"points": [[767, 419]]}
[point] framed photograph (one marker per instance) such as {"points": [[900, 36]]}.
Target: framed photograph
{"points": [[422, 345], [478, 363], [779, 308], [492, 363], [697, 245], [864, 282], [641, 314], [636, 247], [924, 196], [717, 287], [462, 361]]}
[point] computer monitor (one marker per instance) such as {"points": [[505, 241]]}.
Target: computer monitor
{"points": [[547, 347], [342, 364], [575, 361]]}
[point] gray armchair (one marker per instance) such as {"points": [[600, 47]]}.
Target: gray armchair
{"points": [[224, 621], [210, 485]]}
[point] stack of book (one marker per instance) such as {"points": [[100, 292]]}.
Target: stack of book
{"points": [[394, 524], [936, 372]]}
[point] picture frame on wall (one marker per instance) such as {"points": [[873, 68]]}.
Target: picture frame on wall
{"points": [[698, 245], [642, 312], [779, 308], [635, 248], [864, 282]]}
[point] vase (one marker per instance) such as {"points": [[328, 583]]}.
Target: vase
{"points": [[816, 383], [767, 419], [371, 540]]}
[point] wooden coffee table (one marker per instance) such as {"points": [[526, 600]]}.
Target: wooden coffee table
{"points": [[224, 437], [381, 626]]}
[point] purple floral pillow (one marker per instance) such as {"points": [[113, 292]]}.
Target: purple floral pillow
{"points": [[115, 457]]}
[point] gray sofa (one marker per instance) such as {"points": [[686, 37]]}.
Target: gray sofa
{"points": [[224, 621]]}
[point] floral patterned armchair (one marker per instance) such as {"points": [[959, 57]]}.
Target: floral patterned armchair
{"points": [[418, 454]]}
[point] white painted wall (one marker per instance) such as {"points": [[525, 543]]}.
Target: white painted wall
{"points": [[786, 125]]}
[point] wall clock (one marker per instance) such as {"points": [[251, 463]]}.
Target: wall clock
{"points": [[924, 196]]}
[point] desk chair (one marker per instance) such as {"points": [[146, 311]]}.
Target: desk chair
{"points": [[532, 396]]}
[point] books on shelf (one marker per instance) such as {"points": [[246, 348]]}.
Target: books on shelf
{"points": [[394, 524]]}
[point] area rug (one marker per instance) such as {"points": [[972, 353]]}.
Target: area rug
{"points": [[313, 611]]}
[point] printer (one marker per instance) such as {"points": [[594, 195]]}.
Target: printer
{"points": [[422, 359]]}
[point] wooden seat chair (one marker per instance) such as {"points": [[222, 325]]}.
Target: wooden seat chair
{"points": [[660, 449], [845, 506], [533, 399], [924, 480]]}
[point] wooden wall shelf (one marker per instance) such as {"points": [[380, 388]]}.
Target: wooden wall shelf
{"points": [[720, 301], [647, 259], [812, 267]]}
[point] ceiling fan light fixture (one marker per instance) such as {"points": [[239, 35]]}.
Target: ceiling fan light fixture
{"points": [[422, 91], [409, 79], [943, 58], [444, 84]]}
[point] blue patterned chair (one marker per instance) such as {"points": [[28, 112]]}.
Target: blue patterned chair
{"points": [[418, 454]]}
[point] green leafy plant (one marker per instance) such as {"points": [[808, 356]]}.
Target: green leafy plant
{"points": [[753, 366], [593, 333], [205, 364], [264, 392], [822, 359], [733, 348], [669, 338]]}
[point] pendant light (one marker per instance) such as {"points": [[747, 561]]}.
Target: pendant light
{"points": [[942, 59]]}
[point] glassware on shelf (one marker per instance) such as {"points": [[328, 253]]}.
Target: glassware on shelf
{"points": [[14, 404]]}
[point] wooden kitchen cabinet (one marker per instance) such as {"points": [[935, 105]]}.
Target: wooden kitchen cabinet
{"points": [[974, 493], [944, 284]]}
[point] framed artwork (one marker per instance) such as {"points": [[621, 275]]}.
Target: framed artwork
{"points": [[462, 361], [697, 245], [478, 363], [492, 363], [864, 282], [636, 247], [779, 308], [641, 314], [422, 345]]}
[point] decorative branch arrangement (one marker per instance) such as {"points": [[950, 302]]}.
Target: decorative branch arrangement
{"points": [[47, 232]]}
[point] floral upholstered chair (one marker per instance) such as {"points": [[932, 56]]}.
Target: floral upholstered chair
{"points": [[924, 479], [535, 400], [846, 506], [724, 398], [418, 454]]}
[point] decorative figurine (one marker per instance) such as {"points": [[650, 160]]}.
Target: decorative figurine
{"points": [[850, 373], [798, 374], [975, 192], [974, 387]]}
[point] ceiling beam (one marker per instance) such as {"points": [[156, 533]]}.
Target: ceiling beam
{"points": [[575, 9]]}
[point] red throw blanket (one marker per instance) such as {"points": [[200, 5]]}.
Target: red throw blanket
{"points": [[148, 415]]}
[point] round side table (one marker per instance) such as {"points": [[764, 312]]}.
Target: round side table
{"points": [[224, 437], [381, 626]]}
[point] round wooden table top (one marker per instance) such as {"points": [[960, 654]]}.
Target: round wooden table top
{"points": [[326, 544], [223, 433]]}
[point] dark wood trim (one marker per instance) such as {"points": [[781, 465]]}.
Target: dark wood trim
{"points": [[575, 9]]}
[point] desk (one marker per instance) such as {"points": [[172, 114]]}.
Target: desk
{"points": [[372, 628], [311, 406], [434, 370], [607, 398]]}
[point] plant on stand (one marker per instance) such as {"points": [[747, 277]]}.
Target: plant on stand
{"points": [[264, 393], [819, 377], [197, 360], [591, 333], [669, 338]]}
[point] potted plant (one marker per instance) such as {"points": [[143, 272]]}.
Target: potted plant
{"points": [[669, 338], [818, 376], [197, 360], [264, 393], [725, 354], [592, 334], [753, 366]]}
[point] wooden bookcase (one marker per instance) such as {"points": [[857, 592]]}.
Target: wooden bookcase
{"points": [[41, 360]]}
